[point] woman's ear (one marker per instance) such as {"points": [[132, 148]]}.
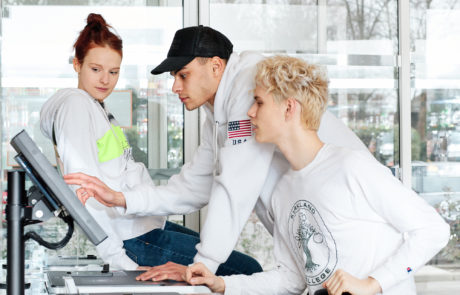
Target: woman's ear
{"points": [[76, 65]]}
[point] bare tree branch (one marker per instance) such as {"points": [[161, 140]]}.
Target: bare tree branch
{"points": [[377, 19], [349, 19]]}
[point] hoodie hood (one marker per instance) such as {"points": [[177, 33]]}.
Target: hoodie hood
{"points": [[52, 105], [238, 77]]}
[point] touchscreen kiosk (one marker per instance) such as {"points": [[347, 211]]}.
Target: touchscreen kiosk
{"points": [[58, 195], [58, 198]]}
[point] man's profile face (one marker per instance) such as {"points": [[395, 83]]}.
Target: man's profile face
{"points": [[195, 84], [267, 116]]}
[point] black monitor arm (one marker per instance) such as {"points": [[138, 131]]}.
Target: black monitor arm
{"points": [[39, 211]]}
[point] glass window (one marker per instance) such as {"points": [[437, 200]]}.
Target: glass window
{"points": [[355, 40], [36, 62], [362, 37], [435, 108]]}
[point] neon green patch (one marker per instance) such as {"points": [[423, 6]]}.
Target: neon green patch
{"points": [[111, 146]]}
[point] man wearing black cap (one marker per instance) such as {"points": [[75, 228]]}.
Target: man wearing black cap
{"points": [[230, 172]]}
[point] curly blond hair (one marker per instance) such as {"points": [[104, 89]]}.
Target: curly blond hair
{"points": [[290, 77]]}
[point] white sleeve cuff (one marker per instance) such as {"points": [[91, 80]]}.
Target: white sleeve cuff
{"points": [[232, 285], [120, 210], [384, 277], [134, 204]]}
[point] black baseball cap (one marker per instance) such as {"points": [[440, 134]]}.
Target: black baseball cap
{"points": [[191, 42]]}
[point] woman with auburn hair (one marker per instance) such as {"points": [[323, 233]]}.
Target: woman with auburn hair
{"points": [[88, 139]]}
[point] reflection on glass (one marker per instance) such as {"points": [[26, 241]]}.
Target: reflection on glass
{"points": [[435, 27], [363, 89]]}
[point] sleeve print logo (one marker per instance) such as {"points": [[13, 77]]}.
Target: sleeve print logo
{"points": [[409, 269], [238, 129]]}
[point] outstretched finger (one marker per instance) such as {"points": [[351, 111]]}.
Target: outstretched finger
{"points": [[90, 187], [147, 275], [82, 195], [81, 178], [169, 275], [85, 190], [162, 277], [76, 178]]}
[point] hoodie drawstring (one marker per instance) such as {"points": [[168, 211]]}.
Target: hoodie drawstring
{"points": [[216, 149]]}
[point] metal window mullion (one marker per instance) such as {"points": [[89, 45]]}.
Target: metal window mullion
{"points": [[203, 19], [190, 16], [191, 118], [404, 93], [322, 27], [157, 138], [203, 12]]}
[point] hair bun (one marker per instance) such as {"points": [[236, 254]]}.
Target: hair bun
{"points": [[96, 33], [96, 20]]}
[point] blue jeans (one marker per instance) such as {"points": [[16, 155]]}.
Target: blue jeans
{"points": [[177, 244]]}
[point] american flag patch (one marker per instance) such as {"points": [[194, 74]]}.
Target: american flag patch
{"points": [[241, 128]]}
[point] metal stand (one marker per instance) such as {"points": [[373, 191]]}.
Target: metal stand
{"points": [[16, 204], [22, 209]]}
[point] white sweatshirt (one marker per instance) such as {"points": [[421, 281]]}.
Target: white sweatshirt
{"points": [[346, 211], [230, 170], [88, 142]]}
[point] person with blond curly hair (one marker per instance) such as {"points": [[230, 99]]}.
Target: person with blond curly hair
{"points": [[342, 221]]}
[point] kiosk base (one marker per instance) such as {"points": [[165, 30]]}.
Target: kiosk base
{"points": [[113, 282]]}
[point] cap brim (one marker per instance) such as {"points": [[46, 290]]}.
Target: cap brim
{"points": [[172, 64]]}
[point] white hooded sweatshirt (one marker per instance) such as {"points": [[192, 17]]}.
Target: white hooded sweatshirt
{"points": [[230, 170], [89, 142]]}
